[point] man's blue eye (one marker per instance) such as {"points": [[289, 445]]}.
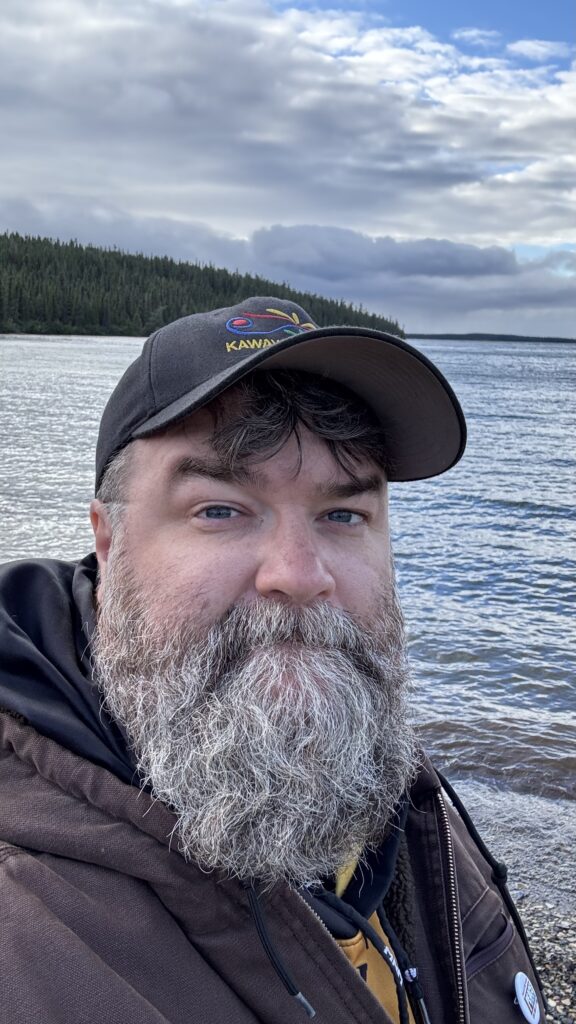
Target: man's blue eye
{"points": [[218, 512], [343, 515]]}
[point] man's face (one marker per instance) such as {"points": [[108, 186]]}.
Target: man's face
{"points": [[250, 642], [200, 542]]}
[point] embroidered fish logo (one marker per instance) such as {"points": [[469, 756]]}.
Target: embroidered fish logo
{"points": [[273, 321]]}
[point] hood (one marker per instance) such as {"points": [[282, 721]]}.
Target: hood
{"points": [[46, 620]]}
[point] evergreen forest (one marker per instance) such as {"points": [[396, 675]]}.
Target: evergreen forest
{"points": [[53, 287]]}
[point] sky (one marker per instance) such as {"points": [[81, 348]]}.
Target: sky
{"points": [[418, 158]]}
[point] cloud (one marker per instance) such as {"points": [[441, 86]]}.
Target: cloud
{"points": [[193, 127], [334, 253], [538, 49], [482, 37], [318, 117], [91, 222], [423, 281], [563, 261]]}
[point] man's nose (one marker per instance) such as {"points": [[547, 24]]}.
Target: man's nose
{"points": [[292, 567]]}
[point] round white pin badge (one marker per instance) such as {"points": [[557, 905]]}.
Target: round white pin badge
{"points": [[526, 998]]}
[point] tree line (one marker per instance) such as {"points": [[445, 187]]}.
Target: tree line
{"points": [[53, 287]]}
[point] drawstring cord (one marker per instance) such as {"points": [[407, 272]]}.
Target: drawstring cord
{"points": [[410, 973], [256, 911]]}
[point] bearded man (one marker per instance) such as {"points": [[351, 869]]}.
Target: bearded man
{"points": [[214, 806]]}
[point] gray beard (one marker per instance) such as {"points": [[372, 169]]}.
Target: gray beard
{"points": [[279, 736]]}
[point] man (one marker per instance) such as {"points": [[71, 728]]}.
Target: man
{"points": [[213, 803]]}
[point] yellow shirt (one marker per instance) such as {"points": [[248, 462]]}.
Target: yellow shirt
{"points": [[366, 959]]}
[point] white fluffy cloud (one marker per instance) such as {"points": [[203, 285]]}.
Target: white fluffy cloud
{"points": [[192, 127], [538, 49], [477, 36]]}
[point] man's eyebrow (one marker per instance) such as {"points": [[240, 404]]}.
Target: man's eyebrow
{"points": [[191, 466], [373, 483]]}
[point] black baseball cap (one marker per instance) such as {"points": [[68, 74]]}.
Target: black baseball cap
{"points": [[185, 364]]}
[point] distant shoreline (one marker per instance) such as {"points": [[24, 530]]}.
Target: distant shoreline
{"points": [[408, 337], [487, 337]]}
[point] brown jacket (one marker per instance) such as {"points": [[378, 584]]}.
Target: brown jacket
{"points": [[103, 921]]}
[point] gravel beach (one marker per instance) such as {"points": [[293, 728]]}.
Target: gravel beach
{"points": [[553, 943]]}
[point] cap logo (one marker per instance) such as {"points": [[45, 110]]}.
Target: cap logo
{"points": [[260, 330]]}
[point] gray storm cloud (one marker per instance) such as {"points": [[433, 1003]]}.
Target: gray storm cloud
{"points": [[376, 164]]}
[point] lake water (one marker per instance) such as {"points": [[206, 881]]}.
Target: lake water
{"points": [[486, 560]]}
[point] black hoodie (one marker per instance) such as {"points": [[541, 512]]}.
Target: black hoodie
{"points": [[46, 621]]}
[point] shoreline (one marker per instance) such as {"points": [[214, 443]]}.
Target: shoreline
{"points": [[481, 336], [501, 338]]}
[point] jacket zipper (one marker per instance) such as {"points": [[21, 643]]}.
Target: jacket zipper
{"points": [[328, 933], [453, 910]]}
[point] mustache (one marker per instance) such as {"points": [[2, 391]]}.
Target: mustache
{"points": [[261, 624]]}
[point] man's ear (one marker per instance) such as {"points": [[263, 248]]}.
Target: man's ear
{"points": [[102, 528]]}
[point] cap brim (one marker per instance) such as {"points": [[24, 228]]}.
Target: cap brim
{"points": [[423, 422]]}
